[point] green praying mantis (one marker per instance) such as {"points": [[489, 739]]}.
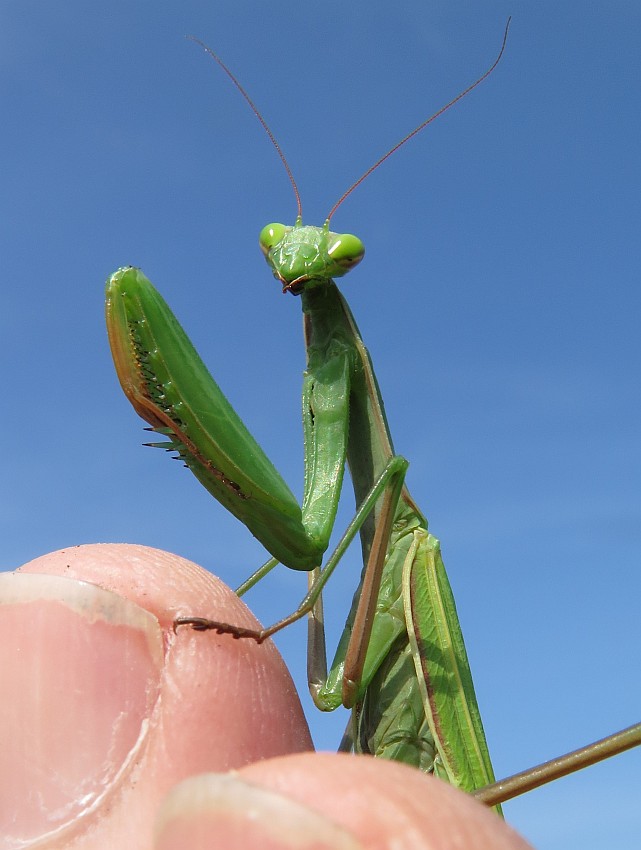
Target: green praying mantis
{"points": [[401, 663]]}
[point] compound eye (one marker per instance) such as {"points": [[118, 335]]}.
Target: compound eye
{"points": [[346, 250], [271, 235]]}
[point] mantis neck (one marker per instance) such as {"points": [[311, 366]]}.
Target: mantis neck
{"points": [[328, 322]]}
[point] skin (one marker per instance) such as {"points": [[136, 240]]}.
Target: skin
{"points": [[121, 733]]}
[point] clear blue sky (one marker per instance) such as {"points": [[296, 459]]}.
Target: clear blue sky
{"points": [[499, 298]]}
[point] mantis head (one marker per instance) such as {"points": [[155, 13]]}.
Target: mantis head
{"points": [[302, 256]]}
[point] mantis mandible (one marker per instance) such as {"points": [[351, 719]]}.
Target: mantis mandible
{"points": [[403, 627]]}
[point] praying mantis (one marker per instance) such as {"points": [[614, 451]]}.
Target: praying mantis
{"points": [[401, 663]]}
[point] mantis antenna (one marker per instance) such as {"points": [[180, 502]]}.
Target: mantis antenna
{"points": [[422, 126], [382, 159], [256, 112]]}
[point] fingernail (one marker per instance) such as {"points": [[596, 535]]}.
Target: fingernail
{"points": [[80, 675], [231, 813]]}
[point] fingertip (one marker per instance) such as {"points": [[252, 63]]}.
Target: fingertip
{"points": [[386, 804], [83, 667], [215, 703], [239, 814]]}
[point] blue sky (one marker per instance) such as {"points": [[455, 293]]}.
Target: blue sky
{"points": [[499, 298]]}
